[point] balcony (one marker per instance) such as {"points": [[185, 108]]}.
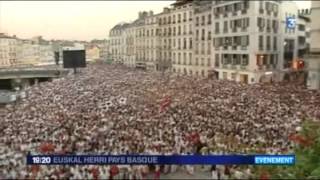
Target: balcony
{"points": [[233, 66], [234, 47], [244, 47], [268, 29], [234, 13], [234, 30], [244, 11], [243, 67]]}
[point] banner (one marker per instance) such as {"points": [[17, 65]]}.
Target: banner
{"points": [[161, 159]]}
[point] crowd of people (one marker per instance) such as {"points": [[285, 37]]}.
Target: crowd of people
{"points": [[109, 109]]}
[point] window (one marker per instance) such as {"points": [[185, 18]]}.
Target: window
{"points": [[217, 28], [268, 43], [301, 27], [233, 76], [197, 34], [209, 19], [203, 20], [225, 75], [261, 7], [203, 35], [190, 43], [209, 62], [197, 21], [275, 42], [225, 27], [217, 60], [268, 26], [245, 60], [275, 26], [260, 42], [190, 58]]}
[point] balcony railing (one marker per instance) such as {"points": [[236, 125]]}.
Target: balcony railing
{"points": [[243, 67]]}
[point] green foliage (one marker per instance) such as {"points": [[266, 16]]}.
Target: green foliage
{"points": [[307, 158]]}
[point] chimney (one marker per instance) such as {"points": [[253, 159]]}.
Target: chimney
{"points": [[140, 14]]}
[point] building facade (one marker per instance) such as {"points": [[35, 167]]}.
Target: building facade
{"points": [[313, 58], [8, 50], [244, 41]]}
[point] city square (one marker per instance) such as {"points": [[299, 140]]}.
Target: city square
{"points": [[118, 110], [181, 89]]}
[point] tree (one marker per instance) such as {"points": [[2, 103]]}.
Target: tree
{"points": [[307, 157]]}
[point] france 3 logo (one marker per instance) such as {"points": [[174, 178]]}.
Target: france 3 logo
{"points": [[291, 22]]}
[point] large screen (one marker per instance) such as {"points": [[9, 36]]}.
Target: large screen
{"points": [[74, 58]]}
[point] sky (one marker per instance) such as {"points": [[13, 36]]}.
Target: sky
{"points": [[74, 20]]}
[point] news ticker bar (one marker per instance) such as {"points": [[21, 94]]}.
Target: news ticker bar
{"points": [[161, 159]]}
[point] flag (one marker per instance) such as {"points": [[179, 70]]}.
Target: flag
{"points": [[95, 173], [165, 103], [46, 147], [300, 140], [264, 176]]}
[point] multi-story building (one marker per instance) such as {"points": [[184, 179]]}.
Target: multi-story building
{"points": [[245, 41], [35, 51], [104, 46], [8, 45], [182, 49], [203, 51], [313, 58], [151, 40], [117, 42], [303, 26], [29, 52], [92, 53]]}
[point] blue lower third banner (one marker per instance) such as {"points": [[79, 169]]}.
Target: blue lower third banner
{"points": [[161, 159]]}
